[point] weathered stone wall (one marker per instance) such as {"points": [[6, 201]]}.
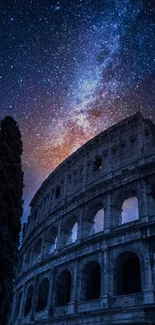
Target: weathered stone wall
{"points": [[114, 166]]}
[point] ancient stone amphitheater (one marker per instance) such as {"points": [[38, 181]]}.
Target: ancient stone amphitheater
{"points": [[88, 251]]}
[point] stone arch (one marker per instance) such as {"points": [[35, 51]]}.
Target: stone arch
{"points": [[91, 281], [37, 250], [18, 303], [50, 239], [42, 297], [128, 278], [130, 210], [125, 206], [63, 288], [94, 219], [28, 302], [99, 221], [125, 193], [70, 230]]}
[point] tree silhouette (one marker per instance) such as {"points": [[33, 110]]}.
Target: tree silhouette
{"points": [[11, 189]]}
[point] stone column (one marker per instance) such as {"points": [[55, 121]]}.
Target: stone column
{"points": [[34, 298], [12, 318], [59, 237], [50, 201], [116, 216], [23, 300], [31, 255], [23, 265], [87, 227], [79, 234], [149, 297], [53, 292], [150, 202], [20, 316], [73, 302], [42, 246], [143, 208], [105, 280], [107, 214], [50, 294], [140, 141]]}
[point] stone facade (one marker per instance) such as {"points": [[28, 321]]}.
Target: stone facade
{"points": [[73, 273]]}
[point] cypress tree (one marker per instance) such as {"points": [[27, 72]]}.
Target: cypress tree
{"points": [[11, 190]]}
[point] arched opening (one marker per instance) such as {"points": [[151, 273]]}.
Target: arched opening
{"points": [[51, 240], [128, 274], [37, 250], [70, 231], [18, 305], [94, 219], [98, 163], [73, 234], [28, 302], [63, 288], [130, 210], [42, 295], [91, 281], [99, 221], [57, 192]]}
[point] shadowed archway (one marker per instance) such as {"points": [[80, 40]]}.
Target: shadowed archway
{"points": [[91, 281], [63, 288], [128, 274]]}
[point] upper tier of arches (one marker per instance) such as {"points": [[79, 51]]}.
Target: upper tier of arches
{"points": [[97, 217], [91, 164]]}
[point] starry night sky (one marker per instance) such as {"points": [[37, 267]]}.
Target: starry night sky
{"points": [[69, 70]]}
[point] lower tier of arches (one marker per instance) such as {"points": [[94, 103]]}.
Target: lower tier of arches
{"points": [[69, 290]]}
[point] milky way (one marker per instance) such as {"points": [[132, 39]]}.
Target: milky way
{"points": [[70, 69]]}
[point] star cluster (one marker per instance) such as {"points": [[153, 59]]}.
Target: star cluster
{"points": [[70, 69]]}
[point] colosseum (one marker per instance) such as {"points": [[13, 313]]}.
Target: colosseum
{"points": [[88, 251]]}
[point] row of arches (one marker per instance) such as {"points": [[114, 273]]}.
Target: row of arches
{"points": [[127, 278], [69, 232]]}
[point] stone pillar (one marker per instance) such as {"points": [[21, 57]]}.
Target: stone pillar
{"points": [[24, 300], [105, 280], [73, 302], [150, 202], [107, 214], [50, 294], [23, 265], [34, 298], [12, 318], [50, 201], [59, 237], [42, 247], [22, 305], [87, 227], [53, 292], [31, 255], [80, 224], [65, 184], [149, 297], [143, 208], [116, 216], [140, 141]]}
